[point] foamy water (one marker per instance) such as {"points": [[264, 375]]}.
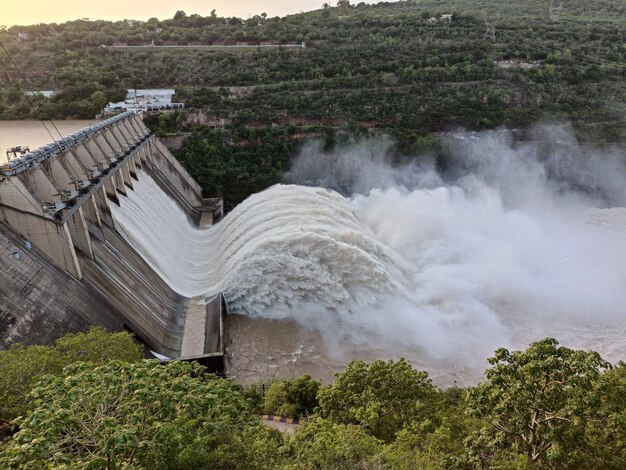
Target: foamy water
{"points": [[442, 275]]}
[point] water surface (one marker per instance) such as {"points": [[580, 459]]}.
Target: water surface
{"points": [[34, 134]]}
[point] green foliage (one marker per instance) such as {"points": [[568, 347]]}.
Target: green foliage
{"points": [[435, 442], [98, 346], [291, 397], [254, 397], [21, 367], [606, 436], [385, 65], [139, 415], [545, 407], [539, 403], [276, 401], [382, 397], [99, 99], [325, 445], [236, 165]]}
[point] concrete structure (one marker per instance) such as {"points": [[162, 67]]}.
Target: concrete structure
{"points": [[145, 100], [446, 18], [44, 93], [62, 262]]}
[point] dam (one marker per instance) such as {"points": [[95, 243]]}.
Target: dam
{"points": [[64, 265], [107, 228]]}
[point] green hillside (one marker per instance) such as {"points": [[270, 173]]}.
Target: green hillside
{"points": [[395, 68]]}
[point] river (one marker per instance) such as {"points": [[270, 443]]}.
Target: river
{"points": [[33, 134]]}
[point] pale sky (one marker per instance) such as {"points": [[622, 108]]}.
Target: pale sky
{"points": [[25, 12]]}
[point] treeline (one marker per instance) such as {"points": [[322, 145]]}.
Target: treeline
{"points": [[366, 58], [392, 68], [92, 402]]}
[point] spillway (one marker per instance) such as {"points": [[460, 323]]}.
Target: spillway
{"points": [[63, 264], [442, 276], [282, 248]]}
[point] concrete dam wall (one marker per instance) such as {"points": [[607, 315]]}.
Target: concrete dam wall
{"points": [[63, 264]]}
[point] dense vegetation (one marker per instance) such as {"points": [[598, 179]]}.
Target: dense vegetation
{"points": [[384, 64], [546, 407], [366, 69], [21, 367]]}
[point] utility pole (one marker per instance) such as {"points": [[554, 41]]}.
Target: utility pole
{"points": [[555, 11], [490, 23]]}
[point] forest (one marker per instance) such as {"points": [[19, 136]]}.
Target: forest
{"points": [[94, 402], [399, 69]]}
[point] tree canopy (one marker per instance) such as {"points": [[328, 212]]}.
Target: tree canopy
{"points": [[130, 415], [547, 407], [540, 402], [21, 367], [382, 397]]}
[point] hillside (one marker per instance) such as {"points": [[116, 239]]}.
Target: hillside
{"points": [[397, 68]]}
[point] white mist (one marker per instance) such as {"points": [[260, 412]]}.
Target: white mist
{"points": [[499, 256]]}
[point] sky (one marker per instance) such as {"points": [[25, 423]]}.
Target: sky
{"points": [[26, 12]]}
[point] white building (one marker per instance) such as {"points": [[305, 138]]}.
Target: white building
{"points": [[445, 18], [146, 100], [44, 93]]}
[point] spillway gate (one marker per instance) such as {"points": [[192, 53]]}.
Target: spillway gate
{"points": [[78, 269]]}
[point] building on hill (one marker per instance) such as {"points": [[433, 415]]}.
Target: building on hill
{"points": [[446, 18], [145, 100], [44, 93]]}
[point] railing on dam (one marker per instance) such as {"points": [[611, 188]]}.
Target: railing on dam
{"points": [[57, 197], [56, 205], [24, 162]]}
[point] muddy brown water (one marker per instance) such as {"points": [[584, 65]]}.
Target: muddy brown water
{"points": [[34, 134], [259, 350]]}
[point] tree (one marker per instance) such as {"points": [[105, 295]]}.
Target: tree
{"points": [[21, 367], [382, 397], [291, 397], [99, 99], [607, 436], [539, 403], [435, 443], [140, 415], [324, 445]]}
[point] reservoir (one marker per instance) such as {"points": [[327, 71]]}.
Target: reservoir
{"points": [[33, 134]]}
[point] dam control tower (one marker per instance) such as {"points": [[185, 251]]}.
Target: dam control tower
{"points": [[64, 265]]}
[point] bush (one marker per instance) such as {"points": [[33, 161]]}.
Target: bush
{"points": [[292, 397], [21, 367], [323, 445], [383, 396], [140, 415]]}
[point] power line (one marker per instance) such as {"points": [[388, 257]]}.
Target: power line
{"points": [[491, 23], [23, 78], [555, 11], [40, 120], [37, 209]]}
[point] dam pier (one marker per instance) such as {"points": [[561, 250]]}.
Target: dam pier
{"points": [[65, 265]]}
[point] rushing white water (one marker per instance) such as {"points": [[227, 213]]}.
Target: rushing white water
{"points": [[452, 271], [282, 248]]}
